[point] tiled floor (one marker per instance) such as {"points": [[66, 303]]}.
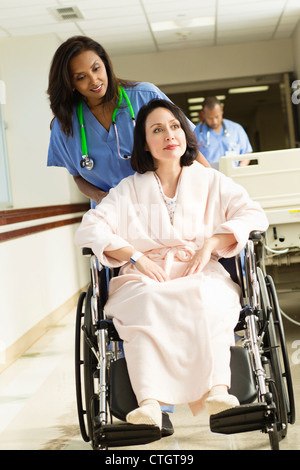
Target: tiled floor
{"points": [[38, 407]]}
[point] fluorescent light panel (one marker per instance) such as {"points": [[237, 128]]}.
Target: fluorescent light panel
{"points": [[195, 107], [200, 99], [249, 89]]}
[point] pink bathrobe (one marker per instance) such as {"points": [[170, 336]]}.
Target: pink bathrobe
{"points": [[177, 334]]}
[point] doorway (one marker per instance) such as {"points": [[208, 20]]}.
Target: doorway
{"points": [[261, 105]]}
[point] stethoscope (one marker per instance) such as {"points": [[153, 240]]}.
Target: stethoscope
{"points": [[226, 134], [86, 161]]}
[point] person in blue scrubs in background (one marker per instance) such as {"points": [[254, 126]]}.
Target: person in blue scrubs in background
{"points": [[82, 72], [220, 137]]}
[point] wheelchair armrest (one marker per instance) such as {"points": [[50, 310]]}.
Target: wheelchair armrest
{"points": [[87, 252]]}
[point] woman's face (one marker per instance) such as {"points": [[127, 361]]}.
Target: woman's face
{"points": [[88, 76], [165, 138]]}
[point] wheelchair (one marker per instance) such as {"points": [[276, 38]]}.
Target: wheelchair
{"points": [[260, 372]]}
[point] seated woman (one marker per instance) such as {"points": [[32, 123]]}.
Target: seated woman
{"points": [[173, 304]]}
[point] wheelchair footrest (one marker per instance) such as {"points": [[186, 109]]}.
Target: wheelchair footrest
{"points": [[125, 434], [243, 418]]}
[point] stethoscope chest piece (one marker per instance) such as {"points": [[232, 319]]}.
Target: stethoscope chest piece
{"points": [[87, 162]]}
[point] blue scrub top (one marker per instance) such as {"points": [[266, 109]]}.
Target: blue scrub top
{"points": [[237, 141], [109, 169]]}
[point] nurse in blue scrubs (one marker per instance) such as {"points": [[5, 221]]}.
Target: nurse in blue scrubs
{"points": [[92, 130], [220, 137]]}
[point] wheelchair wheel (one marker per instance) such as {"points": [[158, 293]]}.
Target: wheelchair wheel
{"points": [[78, 366], [272, 364], [279, 331], [85, 368]]}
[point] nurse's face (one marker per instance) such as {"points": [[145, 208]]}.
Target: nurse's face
{"points": [[88, 76], [165, 138], [213, 117]]}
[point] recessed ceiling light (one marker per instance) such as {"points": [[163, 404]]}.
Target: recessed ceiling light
{"points": [[192, 23], [249, 89]]}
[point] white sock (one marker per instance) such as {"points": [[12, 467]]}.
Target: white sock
{"points": [[218, 390], [218, 402], [148, 412]]}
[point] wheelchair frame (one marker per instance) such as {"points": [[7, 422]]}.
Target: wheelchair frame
{"points": [[264, 340], [97, 368], [266, 396]]}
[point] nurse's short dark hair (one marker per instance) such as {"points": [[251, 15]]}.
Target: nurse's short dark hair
{"points": [[141, 159]]}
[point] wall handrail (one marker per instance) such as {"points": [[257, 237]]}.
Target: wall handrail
{"points": [[15, 216]]}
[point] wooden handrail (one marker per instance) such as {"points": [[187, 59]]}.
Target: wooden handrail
{"points": [[14, 216]]}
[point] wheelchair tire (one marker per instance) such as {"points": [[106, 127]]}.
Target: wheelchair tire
{"points": [[78, 366], [271, 352], [279, 330], [85, 368]]}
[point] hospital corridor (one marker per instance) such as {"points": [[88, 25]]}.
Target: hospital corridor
{"points": [[149, 192]]}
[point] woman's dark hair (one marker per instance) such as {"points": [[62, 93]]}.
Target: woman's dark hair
{"points": [[141, 159], [60, 90]]}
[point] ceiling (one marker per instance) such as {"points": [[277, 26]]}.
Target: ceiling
{"points": [[146, 26]]}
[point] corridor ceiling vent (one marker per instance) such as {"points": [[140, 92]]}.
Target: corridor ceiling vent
{"points": [[67, 14]]}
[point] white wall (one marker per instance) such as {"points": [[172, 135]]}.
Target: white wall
{"points": [[209, 63], [24, 67], [40, 274]]}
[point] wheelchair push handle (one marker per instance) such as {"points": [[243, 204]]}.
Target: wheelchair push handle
{"points": [[87, 252], [255, 235]]}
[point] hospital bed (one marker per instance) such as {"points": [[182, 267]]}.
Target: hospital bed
{"points": [[260, 372], [273, 180]]}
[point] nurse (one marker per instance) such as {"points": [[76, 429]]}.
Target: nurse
{"points": [[94, 111], [220, 137]]}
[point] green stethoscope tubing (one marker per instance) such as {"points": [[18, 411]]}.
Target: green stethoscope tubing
{"points": [[122, 93], [82, 131], [87, 162]]}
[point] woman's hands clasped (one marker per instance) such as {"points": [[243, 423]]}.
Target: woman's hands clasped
{"points": [[200, 259]]}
